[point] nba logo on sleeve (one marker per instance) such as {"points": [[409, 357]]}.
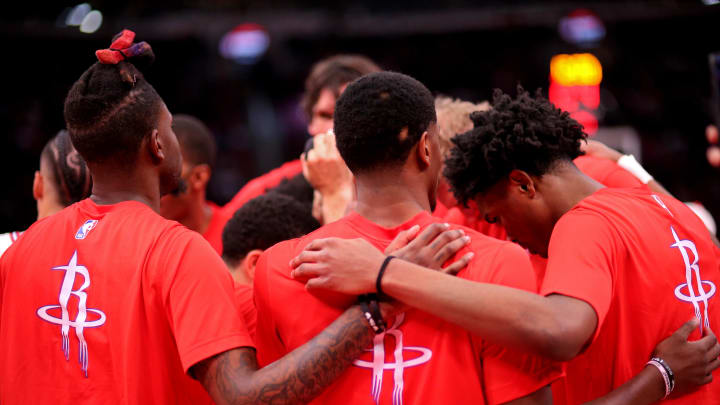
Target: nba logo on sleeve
{"points": [[85, 228]]}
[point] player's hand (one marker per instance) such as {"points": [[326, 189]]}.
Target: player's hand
{"points": [[324, 168], [713, 151], [691, 362], [600, 150], [432, 247], [347, 266]]}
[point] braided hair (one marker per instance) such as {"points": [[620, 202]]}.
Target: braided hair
{"points": [[526, 133], [111, 108], [68, 171]]}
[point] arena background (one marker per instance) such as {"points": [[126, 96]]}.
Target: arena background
{"points": [[654, 59]]}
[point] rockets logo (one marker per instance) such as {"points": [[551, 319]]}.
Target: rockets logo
{"points": [[81, 321], [698, 290], [378, 365]]}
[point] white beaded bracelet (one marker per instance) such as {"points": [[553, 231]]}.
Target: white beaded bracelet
{"points": [[629, 163], [665, 376]]}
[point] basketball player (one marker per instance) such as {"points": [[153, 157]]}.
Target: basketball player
{"points": [[385, 126], [626, 266], [108, 302], [63, 179], [187, 204]]}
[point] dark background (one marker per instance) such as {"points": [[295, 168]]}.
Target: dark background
{"points": [[654, 58]]}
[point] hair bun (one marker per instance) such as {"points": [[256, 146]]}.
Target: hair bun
{"points": [[123, 49]]}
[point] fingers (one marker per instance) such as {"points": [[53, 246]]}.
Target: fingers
{"points": [[306, 256], [429, 234], [308, 271], [686, 329], [318, 283], [459, 264], [708, 341], [712, 366], [713, 353], [445, 238], [402, 239], [449, 250]]}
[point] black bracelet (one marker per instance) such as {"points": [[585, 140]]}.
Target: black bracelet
{"points": [[371, 312], [667, 368], [378, 281]]}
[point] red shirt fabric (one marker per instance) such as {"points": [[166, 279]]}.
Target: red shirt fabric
{"points": [[213, 233], [606, 172], [111, 304], [259, 185], [646, 265], [246, 306], [421, 359]]}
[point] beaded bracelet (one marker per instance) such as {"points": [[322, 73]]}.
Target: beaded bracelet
{"points": [[371, 310], [666, 372]]}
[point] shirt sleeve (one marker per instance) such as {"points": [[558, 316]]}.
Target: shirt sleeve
{"points": [[198, 296], [508, 374], [618, 177], [581, 263], [270, 346]]}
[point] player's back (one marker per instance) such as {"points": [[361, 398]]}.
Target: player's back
{"points": [[663, 271], [83, 308], [420, 359]]}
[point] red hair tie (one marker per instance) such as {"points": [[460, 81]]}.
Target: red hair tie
{"points": [[121, 48]]}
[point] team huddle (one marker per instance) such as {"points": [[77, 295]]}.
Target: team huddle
{"points": [[421, 250]]}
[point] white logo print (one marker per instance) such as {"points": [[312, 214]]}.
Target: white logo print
{"points": [[72, 269], [379, 366], [85, 228], [692, 269]]}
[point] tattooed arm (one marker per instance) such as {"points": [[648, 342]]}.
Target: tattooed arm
{"points": [[232, 377]]}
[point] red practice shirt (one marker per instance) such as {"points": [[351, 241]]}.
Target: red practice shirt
{"points": [[246, 306], [646, 264], [213, 233], [606, 172], [259, 185], [111, 304], [420, 359]]}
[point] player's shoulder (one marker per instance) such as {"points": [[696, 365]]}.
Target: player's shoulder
{"points": [[279, 255]]}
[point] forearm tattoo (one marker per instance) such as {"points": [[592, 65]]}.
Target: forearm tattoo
{"points": [[232, 377]]}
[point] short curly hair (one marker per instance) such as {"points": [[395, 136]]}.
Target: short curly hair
{"points": [[262, 222], [379, 118], [524, 133]]}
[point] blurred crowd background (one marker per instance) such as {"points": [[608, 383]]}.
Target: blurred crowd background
{"points": [[240, 66]]}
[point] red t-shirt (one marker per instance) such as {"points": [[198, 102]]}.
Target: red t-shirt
{"points": [[246, 306], [646, 265], [111, 304], [606, 172], [259, 185], [213, 233], [421, 358]]}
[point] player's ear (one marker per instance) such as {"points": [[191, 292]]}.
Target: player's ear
{"points": [[38, 187], [154, 146], [199, 177], [250, 262], [521, 182], [423, 148]]}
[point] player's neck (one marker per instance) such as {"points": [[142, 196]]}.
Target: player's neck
{"points": [[571, 186], [111, 186], [391, 199], [199, 215]]}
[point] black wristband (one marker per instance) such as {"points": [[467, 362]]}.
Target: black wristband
{"points": [[378, 281], [371, 312], [667, 368]]}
